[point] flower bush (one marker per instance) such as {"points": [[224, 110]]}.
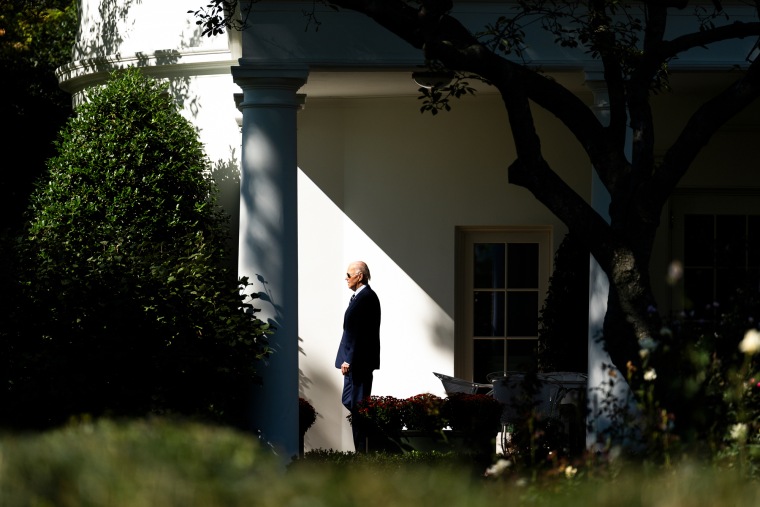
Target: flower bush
{"points": [[425, 412], [380, 413], [479, 413]]}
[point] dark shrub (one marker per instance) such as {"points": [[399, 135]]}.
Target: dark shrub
{"points": [[132, 309], [563, 330]]}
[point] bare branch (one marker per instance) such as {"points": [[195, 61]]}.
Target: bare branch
{"points": [[566, 205], [703, 124], [670, 49]]}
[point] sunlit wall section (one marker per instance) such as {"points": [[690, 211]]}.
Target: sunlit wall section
{"points": [[128, 27]]}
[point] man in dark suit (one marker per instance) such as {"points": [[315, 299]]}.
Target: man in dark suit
{"points": [[359, 351]]}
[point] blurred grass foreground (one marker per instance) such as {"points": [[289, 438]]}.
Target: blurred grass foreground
{"points": [[169, 463]]}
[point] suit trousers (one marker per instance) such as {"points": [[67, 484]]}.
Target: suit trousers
{"points": [[356, 387]]}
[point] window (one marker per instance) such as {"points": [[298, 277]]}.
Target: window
{"points": [[502, 279], [717, 240], [721, 254]]}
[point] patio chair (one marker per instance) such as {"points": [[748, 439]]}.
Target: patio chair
{"points": [[457, 385], [571, 408]]}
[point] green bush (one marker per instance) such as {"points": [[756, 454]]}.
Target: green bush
{"points": [[172, 463], [131, 307], [137, 463]]}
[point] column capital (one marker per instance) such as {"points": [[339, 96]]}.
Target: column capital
{"points": [[595, 82], [269, 86], [257, 75]]}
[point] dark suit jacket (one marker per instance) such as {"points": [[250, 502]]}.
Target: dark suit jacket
{"points": [[360, 344]]}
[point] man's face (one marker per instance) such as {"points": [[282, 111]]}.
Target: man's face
{"points": [[353, 277]]}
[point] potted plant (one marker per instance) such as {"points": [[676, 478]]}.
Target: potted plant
{"points": [[425, 421], [421, 421], [474, 413], [425, 413], [382, 419], [307, 416]]}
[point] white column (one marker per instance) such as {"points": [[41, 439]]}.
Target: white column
{"points": [[598, 377], [268, 239]]}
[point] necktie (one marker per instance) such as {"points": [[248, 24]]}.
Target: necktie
{"points": [[353, 296]]}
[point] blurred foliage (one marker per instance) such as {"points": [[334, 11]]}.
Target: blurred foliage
{"points": [[141, 462], [173, 463], [715, 415], [126, 303]]}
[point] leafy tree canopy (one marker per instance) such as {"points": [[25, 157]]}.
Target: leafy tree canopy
{"points": [[36, 37]]}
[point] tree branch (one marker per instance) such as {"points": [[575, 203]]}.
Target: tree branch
{"points": [[670, 49], [394, 15], [604, 42], [445, 39], [639, 88], [566, 205], [703, 124]]}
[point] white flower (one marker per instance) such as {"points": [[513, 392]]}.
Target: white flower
{"points": [[650, 375], [675, 272], [570, 471], [739, 432], [751, 343], [498, 468]]}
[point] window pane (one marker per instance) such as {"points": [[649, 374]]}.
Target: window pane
{"points": [[522, 355], [522, 313], [753, 279], [488, 313], [698, 240], [730, 238], [698, 289], [753, 239], [522, 265], [727, 282], [489, 357], [489, 265]]}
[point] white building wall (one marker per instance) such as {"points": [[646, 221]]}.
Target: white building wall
{"points": [[383, 183], [132, 27], [378, 181]]}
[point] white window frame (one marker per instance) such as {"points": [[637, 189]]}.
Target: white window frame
{"points": [[466, 237]]}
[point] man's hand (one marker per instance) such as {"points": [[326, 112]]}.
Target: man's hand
{"points": [[344, 368]]}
